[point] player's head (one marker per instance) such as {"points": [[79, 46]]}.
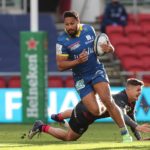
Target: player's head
{"points": [[71, 22], [134, 88]]}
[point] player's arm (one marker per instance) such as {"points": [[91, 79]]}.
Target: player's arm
{"points": [[131, 123], [62, 57], [135, 128], [142, 128], [136, 133], [64, 63]]}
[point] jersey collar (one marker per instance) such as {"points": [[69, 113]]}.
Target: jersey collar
{"points": [[79, 31]]}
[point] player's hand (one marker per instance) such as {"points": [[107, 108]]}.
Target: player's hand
{"points": [[143, 128], [83, 57], [107, 48]]}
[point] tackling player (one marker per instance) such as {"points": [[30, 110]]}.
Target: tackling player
{"points": [[81, 118], [125, 99]]}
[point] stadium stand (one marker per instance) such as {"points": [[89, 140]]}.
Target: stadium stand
{"points": [[14, 82], [120, 42], [146, 29], [114, 30], [144, 19], [132, 19], [125, 51], [69, 82], [142, 51], [138, 41], [3, 83], [55, 82], [132, 64], [133, 31]]}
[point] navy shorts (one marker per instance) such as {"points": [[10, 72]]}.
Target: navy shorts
{"points": [[84, 85]]}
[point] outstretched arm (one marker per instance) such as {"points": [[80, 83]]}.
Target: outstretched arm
{"points": [[133, 125], [136, 129]]}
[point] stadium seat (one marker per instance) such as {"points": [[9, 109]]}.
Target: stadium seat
{"points": [[114, 30], [14, 82], [146, 29], [69, 82], [120, 42], [3, 82], [133, 19], [55, 82], [132, 64], [125, 51], [142, 51], [146, 80], [133, 31], [138, 41], [146, 62], [144, 19]]}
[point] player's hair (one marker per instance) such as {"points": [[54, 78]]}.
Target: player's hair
{"points": [[71, 14], [134, 82]]}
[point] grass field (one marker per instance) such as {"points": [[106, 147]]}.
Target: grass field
{"points": [[100, 136]]}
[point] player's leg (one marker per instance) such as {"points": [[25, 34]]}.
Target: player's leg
{"points": [[103, 90], [65, 135], [91, 104], [61, 116]]}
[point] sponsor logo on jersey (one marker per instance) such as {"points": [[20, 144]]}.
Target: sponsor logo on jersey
{"points": [[89, 39], [74, 45]]}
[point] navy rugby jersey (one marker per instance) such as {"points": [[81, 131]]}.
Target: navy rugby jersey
{"points": [[73, 46]]}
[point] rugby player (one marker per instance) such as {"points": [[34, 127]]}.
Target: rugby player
{"points": [[74, 50], [126, 100]]}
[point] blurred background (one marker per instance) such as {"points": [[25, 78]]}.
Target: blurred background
{"points": [[131, 41]]}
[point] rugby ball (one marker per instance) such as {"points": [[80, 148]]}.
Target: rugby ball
{"points": [[99, 40]]}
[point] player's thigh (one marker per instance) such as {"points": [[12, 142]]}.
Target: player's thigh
{"points": [[90, 102], [103, 90]]}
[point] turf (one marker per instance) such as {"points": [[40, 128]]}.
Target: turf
{"points": [[100, 136]]}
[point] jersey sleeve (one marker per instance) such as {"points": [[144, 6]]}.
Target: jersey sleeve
{"points": [[94, 32], [61, 49]]}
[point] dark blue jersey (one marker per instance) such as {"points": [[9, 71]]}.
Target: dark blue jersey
{"points": [[73, 46]]}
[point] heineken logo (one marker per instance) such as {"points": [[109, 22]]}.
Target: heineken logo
{"points": [[32, 44], [32, 79]]}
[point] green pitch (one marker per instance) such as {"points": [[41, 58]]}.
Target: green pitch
{"points": [[100, 136]]}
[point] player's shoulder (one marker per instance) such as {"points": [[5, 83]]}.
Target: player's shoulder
{"points": [[62, 37], [87, 27]]}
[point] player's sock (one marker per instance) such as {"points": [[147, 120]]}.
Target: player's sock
{"points": [[44, 128], [125, 134], [58, 117], [124, 131]]}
